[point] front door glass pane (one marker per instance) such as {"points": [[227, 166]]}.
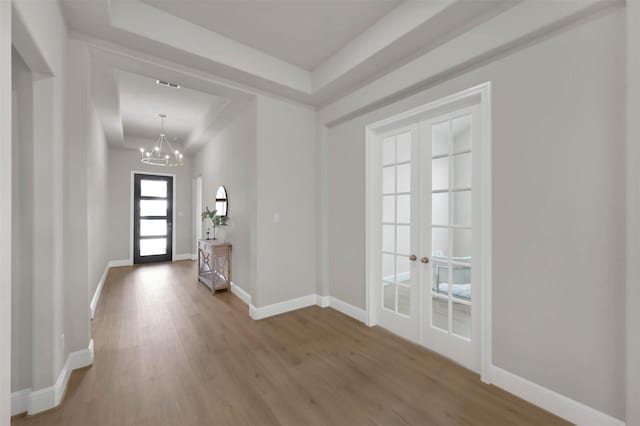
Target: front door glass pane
{"points": [[153, 188]]}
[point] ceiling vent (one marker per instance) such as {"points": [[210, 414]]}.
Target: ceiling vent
{"points": [[168, 84]]}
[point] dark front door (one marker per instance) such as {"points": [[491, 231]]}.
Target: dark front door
{"points": [[152, 218]]}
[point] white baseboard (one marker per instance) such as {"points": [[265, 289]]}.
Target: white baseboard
{"points": [[194, 256], [118, 263], [188, 256], [98, 292], [322, 301], [281, 307], [242, 295], [302, 302], [33, 402], [555, 403], [20, 401], [348, 309]]}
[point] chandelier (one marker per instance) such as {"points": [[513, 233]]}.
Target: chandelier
{"points": [[162, 153]]}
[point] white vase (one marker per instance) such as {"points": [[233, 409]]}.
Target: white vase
{"points": [[221, 234]]}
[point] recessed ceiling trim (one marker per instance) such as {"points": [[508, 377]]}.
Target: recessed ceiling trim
{"points": [[149, 22]]}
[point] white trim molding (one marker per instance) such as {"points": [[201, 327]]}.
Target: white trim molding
{"points": [[119, 263], [20, 401], [323, 301], [242, 295], [262, 312], [188, 256], [281, 307], [98, 292], [348, 309], [34, 402], [555, 403]]}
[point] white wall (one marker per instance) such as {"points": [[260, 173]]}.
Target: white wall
{"points": [[97, 198], [22, 224], [558, 189], [633, 213], [286, 251], [230, 160], [40, 38], [5, 211], [121, 162], [76, 294]]}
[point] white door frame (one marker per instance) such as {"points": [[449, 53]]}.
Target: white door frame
{"points": [[131, 205], [480, 95], [197, 204]]}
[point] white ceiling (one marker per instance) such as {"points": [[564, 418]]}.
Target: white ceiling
{"points": [[141, 100], [301, 32]]}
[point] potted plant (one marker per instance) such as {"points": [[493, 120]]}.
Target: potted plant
{"points": [[216, 220]]}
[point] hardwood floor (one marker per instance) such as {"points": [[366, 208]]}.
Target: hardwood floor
{"points": [[170, 353]]}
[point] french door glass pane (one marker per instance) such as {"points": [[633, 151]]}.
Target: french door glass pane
{"points": [[404, 209], [388, 238], [461, 208], [404, 178], [404, 299], [153, 188], [440, 208], [440, 243], [389, 209], [153, 246], [389, 151], [388, 180], [440, 313], [451, 237], [389, 296], [404, 239], [404, 147], [461, 319], [462, 171], [396, 226], [153, 227], [403, 270], [462, 245], [440, 139], [153, 207], [461, 133], [440, 174], [388, 268]]}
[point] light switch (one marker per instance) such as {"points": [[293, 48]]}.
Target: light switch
{"points": [[276, 218]]}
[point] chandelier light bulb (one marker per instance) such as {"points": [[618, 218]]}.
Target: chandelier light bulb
{"points": [[157, 148], [141, 149], [177, 152]]}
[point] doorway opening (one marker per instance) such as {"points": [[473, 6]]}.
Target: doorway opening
{"points": [[152, 218], [429, 226]]}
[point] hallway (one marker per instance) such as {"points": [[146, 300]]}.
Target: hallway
{"points": [[167, 352]]}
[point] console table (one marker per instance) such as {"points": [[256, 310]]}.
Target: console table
{"points": [[214, 264]]}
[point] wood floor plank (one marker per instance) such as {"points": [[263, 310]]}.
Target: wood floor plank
{"points": [[168, 352]]}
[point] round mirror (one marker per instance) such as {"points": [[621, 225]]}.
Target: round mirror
{"points": [[222, 202]]}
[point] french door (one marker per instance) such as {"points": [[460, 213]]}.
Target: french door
{"points": [[152, 218], [427, 234]]}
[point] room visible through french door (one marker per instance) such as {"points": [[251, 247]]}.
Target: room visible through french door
{"points": [[424, 282], [152, 218]]}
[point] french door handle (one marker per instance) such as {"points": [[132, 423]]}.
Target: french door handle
{"points": [[413, 258], [424, 259]]}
